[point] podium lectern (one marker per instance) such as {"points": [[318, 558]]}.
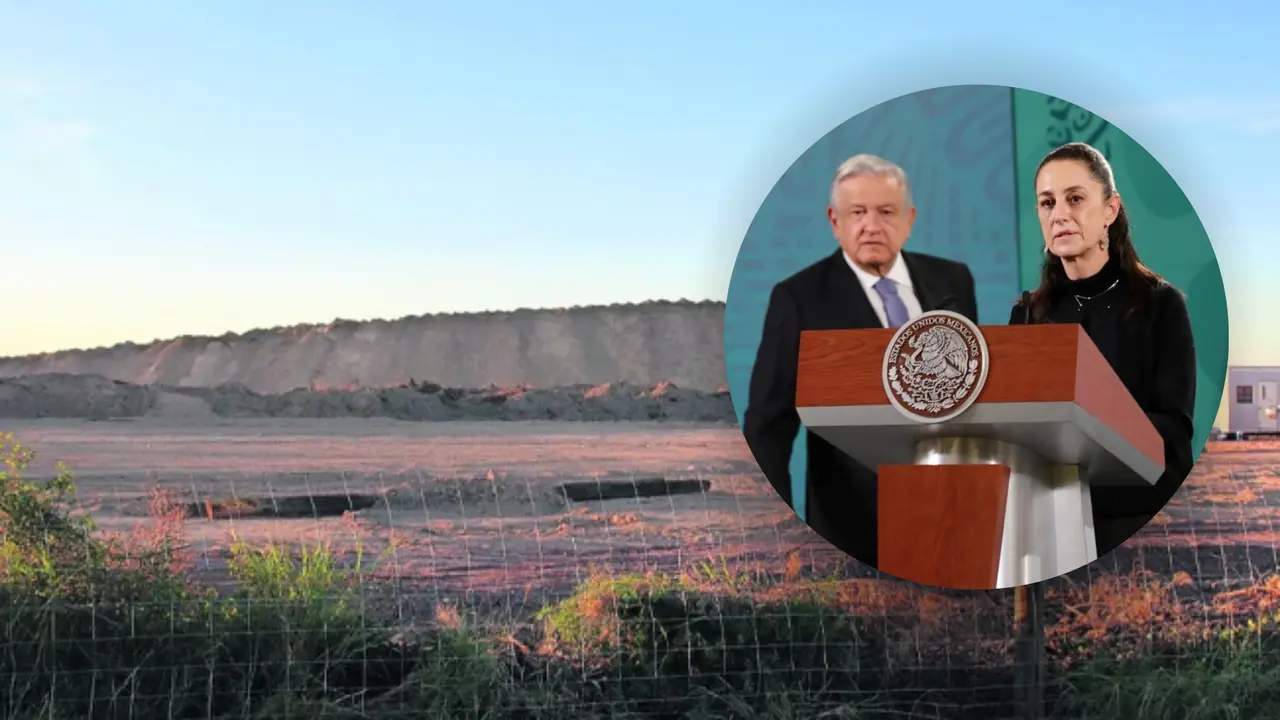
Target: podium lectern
{"points": [[993, 493]]}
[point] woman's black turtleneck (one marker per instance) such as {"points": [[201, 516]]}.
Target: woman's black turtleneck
{"points": [[1152, 352]]}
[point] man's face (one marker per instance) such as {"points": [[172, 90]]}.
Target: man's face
{"points": [[871, 220]]}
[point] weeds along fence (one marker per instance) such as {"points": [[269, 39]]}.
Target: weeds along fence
{"points": [[689, 596]]}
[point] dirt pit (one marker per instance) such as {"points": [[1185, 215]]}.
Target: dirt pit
{"points": [[307, 506], [596, 490]]}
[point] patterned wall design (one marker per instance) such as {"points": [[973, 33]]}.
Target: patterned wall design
{"points": [[1167, 233], [956, 145]]}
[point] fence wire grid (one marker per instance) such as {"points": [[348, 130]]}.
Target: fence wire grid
{"points": [[399, 588]]}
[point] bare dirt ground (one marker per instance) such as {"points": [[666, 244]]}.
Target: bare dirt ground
{"points": [[474, 509], [470, 508]]}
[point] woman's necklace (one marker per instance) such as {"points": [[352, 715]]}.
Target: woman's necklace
{"points": [[1080, 299]]}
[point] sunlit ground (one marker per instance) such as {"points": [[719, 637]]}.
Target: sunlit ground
{"points": [[460, 527]]}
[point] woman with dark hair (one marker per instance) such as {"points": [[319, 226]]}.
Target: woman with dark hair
{"points": [[1092, 276]]}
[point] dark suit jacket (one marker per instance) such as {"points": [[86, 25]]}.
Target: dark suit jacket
{"points": [[840, 492]]}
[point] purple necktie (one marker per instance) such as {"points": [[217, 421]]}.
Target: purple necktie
{"points": [[894, 309]]}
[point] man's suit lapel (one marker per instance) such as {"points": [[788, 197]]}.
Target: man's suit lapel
{"points": [[922, 283], [855, 311]]}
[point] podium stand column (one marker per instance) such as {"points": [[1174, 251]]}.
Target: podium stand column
{"points": [[1048, 519]]}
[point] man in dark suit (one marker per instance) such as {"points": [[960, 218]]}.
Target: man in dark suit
{"points": [[870, 282]]}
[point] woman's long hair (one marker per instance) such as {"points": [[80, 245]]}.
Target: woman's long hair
{"points": [[1142, 280]]}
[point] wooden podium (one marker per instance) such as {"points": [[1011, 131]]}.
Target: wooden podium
{"points": [[998, 495]]}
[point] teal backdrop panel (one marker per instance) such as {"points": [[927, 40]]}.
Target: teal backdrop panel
{"points": [[956, 145], [1167, 233]]}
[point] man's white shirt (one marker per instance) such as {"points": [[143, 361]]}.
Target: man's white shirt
{"points": [[900, 277]]}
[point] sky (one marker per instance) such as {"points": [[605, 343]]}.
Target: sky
{"points": [[197, 168]]}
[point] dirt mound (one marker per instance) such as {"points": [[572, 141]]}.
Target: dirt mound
{"points": [[74, 396], [178, 406], [641, 344], [96, 398]]}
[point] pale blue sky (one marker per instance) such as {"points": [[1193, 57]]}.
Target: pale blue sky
{"points": [[181, 168]]}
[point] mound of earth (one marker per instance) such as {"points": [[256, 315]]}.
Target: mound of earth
{"points": [[97, 398], [638, 343]]}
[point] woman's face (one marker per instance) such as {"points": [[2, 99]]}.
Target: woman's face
{"points": [[1074, 213]]}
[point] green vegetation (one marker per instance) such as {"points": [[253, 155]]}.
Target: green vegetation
{"points": [[101, 626]]}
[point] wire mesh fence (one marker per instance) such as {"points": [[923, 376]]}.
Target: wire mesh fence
{"points": [[690, 592]]}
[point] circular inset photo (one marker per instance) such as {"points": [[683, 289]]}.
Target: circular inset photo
{"points": [[976, 337]]}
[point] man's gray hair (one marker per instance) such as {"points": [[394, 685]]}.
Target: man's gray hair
{"points": [[870, 165]]}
